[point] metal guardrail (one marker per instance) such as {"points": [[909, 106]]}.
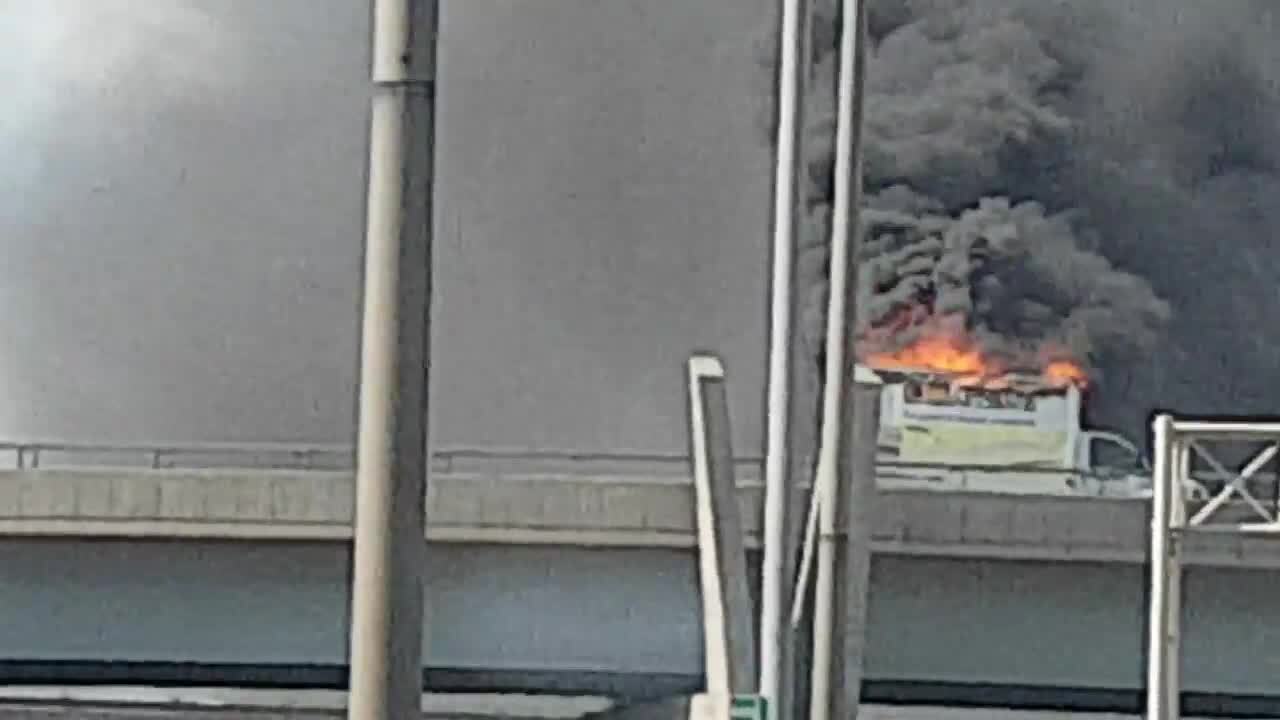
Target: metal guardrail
{"points": [[334, 457], [34, 455], [50, 455], [38, 455]]}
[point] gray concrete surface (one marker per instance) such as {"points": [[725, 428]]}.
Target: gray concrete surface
{"points": [[592, 620], [868, 712], [888, 712], [571, 500], [121, 703]]}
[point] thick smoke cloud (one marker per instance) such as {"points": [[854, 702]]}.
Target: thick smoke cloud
{"points": [[182, 240], [183, 193], [1085, 178], [172, 58], [170, 54], [159, 221]]}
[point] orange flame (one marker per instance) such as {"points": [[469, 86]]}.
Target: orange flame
{"points": [[1065, 372], [938, 354], [958, 355]]}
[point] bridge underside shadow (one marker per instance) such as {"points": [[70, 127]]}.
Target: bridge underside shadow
{"points": [[620, 622]]}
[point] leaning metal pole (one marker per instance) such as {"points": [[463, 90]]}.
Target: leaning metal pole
{"points": [[392, 451], [788, 212]]}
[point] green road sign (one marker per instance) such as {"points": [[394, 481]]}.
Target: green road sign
{"points": [[748, 707]]}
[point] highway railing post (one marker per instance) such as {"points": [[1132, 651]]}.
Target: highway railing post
{"points": [[730, 545], [1162, 675], [727, 621]]}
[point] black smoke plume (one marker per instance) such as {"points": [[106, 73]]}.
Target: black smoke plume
{"points": [[1087, 178]]}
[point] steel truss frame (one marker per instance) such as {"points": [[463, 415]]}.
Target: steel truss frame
{"points": [[1176, 442]]}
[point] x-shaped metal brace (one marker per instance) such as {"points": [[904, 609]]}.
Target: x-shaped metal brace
{"points": [[1237, 486]]}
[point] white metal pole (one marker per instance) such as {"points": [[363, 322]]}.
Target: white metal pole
{"points": [[786, 222], [389, 550], [715, 643], [808, 548], [844, 231], [728, 621], [1158, 675], [1180, 465]]}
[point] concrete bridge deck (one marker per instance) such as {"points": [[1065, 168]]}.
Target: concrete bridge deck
{"points": [[556, 499], [575, 574]]}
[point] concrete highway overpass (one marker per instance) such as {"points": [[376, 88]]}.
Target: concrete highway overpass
{"points": [[576, 574]]}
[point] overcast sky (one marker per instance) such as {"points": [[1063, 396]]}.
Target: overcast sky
{"points": [[182, 218]]}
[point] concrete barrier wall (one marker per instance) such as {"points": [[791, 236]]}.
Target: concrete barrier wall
{"points": [[572, 503]]}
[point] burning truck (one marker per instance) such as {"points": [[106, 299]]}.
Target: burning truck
{"points": [[954, 418]]}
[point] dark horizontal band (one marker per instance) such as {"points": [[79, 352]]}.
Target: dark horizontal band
{"points": [[629, 687]]}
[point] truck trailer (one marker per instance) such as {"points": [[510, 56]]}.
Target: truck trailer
{"points": [[1015, 433]]}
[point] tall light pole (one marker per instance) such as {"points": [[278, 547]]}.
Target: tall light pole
{"points": [[842, 323], [392, 453], [776, 641]]}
